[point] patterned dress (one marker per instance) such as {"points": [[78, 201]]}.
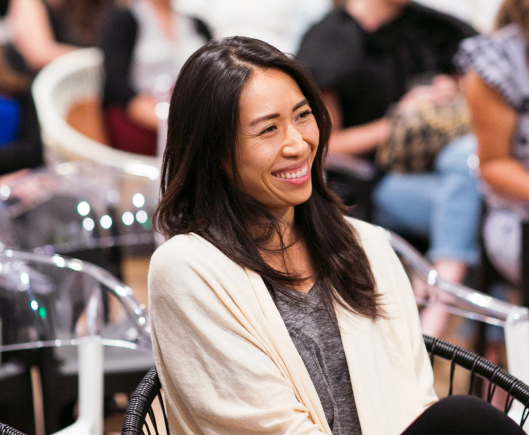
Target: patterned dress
{"points": [[501, 62]]}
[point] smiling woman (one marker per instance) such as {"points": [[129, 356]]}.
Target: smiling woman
{"points": [[270, 311], [277, 142]]}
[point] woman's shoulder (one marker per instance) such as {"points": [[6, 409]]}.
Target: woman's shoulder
{"points": [[190, 254], [376, 245], [183, 249], [367, 233], [502, 42], [500, 59], [438, 21]]}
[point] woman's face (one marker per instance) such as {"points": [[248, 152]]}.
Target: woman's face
{"points": [[277, 141]]}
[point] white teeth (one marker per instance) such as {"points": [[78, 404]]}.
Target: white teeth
{"points": [[293, 175]]}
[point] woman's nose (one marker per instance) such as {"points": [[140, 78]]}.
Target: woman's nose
{"points": [[294, 143]]}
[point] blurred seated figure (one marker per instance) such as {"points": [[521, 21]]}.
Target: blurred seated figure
{"points": [[39, 31], [368, 57], [46, 29], [145, 45], [20, 145], [497, 88]]}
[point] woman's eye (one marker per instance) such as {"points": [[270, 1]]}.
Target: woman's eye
{"points": [[269, 129], [304, 114]]}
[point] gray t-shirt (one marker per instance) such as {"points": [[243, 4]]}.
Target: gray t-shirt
{"points": [[317, 338]]}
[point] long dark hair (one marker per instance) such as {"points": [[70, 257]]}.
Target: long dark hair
{"points": [[196, 195]]}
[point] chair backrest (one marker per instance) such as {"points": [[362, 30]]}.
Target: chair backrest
{"points": [[7, 430], [140, 413], [140, 418], [68, 89], [480, 367]]}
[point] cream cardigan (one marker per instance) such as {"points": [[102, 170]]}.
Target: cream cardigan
{"points": [[227, 363]]}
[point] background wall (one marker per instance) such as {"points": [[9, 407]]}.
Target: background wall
{"points": [[279, 22], [283, 22], [480, 13]]}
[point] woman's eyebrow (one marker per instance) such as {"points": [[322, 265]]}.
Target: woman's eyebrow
{"points": [[276, 115], [300, 104], [264, 118]]}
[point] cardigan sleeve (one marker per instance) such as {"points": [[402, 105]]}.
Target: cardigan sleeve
{"points": [[422, 367], [216, 376]]}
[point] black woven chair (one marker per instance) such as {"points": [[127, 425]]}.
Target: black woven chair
{"points": [[8, 430], [140, 419], [139, 416], [479, 367]]}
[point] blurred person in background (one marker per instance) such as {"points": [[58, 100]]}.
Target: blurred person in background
{"points": [[38, 32], [20, 145], [497, 88], [46, 29], [366, 56], [143, 43]]}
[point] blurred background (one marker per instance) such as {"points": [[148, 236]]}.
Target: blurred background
{"points": [[84, 96]]}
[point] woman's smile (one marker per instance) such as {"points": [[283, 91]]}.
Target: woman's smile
{"points": [[293, 174]]}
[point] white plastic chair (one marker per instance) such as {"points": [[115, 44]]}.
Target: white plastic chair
{"points": [[69, 80]]}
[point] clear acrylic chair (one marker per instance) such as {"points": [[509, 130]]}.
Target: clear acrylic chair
{"points": [[69, 317], [75, 206], [432, 290]]}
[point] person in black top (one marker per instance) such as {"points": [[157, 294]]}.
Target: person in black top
{"points": [[369, 65], [143, 44], [366, 57]]}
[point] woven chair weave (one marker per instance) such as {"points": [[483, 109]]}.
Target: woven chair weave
{"points": [[8, 430], [139, 407]]}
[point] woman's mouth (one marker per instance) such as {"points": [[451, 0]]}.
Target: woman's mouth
{"points": [[289, 175]]}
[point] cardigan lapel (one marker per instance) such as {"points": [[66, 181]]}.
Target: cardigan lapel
{"points": [[381, 371], [285, 354]]}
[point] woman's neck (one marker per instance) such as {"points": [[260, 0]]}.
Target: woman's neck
{"points": [[373, 14]]}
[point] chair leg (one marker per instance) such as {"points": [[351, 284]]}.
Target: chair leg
{"points": [[16, 401]]}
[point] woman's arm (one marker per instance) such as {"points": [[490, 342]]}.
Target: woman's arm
{"points": [[141, 109], [217, 375], [494, 124], [422, 366], [33, 35], [354, 140]]}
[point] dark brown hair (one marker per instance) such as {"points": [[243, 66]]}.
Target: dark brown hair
{"points": [[196, 195], [517, 12]]}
